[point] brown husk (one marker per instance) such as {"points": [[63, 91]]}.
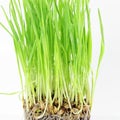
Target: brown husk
{"points": [[53, 113]]}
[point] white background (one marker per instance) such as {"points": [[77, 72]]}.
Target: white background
{"points": [[107, 95]]}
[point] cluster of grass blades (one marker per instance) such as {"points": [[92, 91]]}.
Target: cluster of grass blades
{"points": [[53, 45]]}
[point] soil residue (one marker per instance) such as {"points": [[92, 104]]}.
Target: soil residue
{"points": [[53, 113]]}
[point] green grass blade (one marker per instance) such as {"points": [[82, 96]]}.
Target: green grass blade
{"points": [[102, 43]]}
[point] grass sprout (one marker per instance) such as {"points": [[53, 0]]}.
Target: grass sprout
{"points": [[53, 45]]}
